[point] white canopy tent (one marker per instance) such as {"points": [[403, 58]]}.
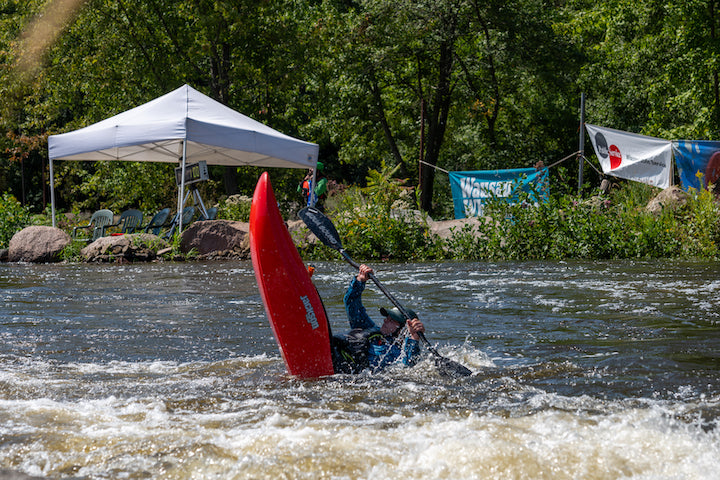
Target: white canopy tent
{"points": [[180, 127]]}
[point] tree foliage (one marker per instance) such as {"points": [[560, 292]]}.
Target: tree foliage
{"points": [[453, 84]]}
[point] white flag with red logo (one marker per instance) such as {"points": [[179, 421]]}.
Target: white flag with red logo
{"points": [[631, 156]]}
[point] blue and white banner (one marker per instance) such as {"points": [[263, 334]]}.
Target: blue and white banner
{"points": [[471, 190], [631, 156], [698, 163]]}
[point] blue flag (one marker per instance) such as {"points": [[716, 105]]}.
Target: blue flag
{"points": [[471, 190], [696, 161]]}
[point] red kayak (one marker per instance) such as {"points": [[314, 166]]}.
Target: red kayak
{"points": [[291, 301]]}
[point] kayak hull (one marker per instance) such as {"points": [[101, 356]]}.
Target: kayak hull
{"points": [[292, 304]]}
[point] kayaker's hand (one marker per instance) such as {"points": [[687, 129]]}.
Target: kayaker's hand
{"points": [[364, 273], [414, 326]]}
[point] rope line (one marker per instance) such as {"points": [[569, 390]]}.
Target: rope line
{"points": [[593, 166], [574, 154]]}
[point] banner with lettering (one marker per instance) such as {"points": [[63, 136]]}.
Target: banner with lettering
{"points": [[471, 190], [697, 161], [632, 156]]}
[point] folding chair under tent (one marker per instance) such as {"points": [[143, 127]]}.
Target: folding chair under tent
{"points": [[181, 127]]}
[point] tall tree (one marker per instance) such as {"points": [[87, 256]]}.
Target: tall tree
{"points": [[394, 58], [122, 53], [652, 65]]}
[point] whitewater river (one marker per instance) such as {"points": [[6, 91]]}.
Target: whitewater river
{"points": [[583, 370]]}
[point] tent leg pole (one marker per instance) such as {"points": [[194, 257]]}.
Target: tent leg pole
{"points": [[52, 193], [182, 187], [311, 193]]}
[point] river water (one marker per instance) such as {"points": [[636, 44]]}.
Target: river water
{"points": [[583, 370]]}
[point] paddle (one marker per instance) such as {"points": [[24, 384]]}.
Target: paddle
{"points": [[324, 230]]}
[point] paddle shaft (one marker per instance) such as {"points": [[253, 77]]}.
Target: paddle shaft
{"points": [[324, 229]]}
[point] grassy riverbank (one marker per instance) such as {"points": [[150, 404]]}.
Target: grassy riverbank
{"points": [[380, 223], [617, 225]]}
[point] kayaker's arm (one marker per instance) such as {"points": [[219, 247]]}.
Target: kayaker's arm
{"points": [[357, 315]]}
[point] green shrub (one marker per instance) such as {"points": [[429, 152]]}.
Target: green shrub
{"points": [[378, 223], [71, 252], [13, 218], [609, 227], [699, 220], [236, 207], [371, 232], [614, 226]]}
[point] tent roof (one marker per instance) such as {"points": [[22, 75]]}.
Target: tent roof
{"points": [[155, 131]]}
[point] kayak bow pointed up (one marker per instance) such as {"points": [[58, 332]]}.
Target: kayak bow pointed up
{"points": [[292, 304]]}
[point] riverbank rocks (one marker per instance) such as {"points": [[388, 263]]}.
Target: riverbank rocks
{"points": [[135, 247], [673, 197], [447, 228], [214, 239], [37, 244]]}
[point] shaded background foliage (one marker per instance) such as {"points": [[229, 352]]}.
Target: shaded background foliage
{"points": [[461, 84]]}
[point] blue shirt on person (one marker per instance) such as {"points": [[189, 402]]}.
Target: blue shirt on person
{"points": [[383, 350]]}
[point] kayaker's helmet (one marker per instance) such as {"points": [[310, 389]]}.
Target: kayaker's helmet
{"points": [[395, 314]]}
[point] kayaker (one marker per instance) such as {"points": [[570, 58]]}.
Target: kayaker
{"points": [[370, 346]]}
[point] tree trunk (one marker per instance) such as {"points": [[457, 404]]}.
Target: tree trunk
{"points": [[380, 105], [715, 79], [437, 123], [230, 180], [220, 91]]}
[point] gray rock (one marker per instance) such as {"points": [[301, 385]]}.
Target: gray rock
{"points": [[135, 247], [446, 228], [672, 197], [37, 244], [210, 236]]}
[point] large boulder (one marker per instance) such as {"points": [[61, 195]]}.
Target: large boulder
{"points": [[217, 238], [135, 247], [672, 197], [37, 244]]}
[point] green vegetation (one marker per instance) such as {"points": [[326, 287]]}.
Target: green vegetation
{"points": [[13, 217], [613, 226], [235, 208], [393, 87], [71, 252]]}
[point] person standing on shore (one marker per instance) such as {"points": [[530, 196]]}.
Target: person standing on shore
{"points": [[314, 196]]}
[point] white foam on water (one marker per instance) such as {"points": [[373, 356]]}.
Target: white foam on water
{"points": [[540, 436]]}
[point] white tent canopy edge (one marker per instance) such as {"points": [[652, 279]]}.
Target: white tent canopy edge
{"points": [[181, 126]]}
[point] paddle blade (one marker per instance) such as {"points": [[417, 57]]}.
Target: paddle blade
{"points": [[321, 226], [450, 368]]}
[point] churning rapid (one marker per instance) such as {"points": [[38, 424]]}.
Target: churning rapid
{"points": [[169, 371]]}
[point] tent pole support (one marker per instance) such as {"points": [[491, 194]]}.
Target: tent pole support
{"points": [[181, 199], [311, 193], [52, 193]]}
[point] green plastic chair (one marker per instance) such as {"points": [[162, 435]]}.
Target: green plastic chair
{"points": [[99, 221], [157, 221], [129, 220], [211, 214], [187, 217]]}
